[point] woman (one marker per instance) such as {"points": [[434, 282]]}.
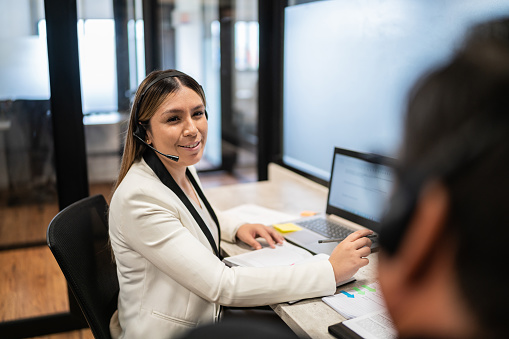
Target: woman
{"points": [[165, 236]]}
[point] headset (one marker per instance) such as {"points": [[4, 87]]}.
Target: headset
{"points": [[447, 159], [139, 130]]}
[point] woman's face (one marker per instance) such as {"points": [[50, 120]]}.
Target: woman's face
{"points": [[179, 127]]}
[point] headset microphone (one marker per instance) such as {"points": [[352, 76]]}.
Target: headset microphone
{"points": [[169, 156]]}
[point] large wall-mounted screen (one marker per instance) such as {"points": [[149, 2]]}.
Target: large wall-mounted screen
{"points": [[349, 65]]}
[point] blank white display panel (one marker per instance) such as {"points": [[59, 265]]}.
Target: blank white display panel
{"points": [[349, 65]]}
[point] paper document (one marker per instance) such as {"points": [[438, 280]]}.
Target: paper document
{"points": [[258, 214], [283, 255], [357, 301], [377, 325]]}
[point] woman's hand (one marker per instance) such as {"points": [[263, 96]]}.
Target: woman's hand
{"points": [[350, 255], [249, 232]]}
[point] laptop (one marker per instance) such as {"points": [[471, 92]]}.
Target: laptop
{"points": [[359, 189]]}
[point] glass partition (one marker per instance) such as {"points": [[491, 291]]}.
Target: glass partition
{"points": [[28, 194], [27, 174]]}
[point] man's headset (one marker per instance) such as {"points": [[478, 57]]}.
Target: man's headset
{"points": [[447, 159], [139, 130]]}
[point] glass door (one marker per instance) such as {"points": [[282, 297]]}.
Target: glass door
{"points": [[31, 283]]}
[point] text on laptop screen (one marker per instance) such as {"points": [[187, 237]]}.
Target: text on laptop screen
{"points": [[360, 187]]}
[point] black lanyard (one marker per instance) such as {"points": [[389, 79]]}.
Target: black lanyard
{"points": [[162, 173]]}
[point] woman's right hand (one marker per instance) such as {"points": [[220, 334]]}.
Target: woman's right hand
{"points": [[350, 255]]}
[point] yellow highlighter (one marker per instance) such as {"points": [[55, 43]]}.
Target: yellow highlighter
{"points": [[287, 227]]}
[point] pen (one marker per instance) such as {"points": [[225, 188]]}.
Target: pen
{"points": [[323, 241]]}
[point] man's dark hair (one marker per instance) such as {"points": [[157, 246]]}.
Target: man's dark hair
{"points": [[460, 108]]}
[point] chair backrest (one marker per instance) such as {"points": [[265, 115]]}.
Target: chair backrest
{"points": [[78, 239]]}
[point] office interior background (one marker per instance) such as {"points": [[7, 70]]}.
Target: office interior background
{"points": [[116, 44], [286, 81]]}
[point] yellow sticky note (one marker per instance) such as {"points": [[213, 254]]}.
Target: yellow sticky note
{"points": [[286, 228]]}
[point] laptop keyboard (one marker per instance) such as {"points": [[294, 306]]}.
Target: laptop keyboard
{"points": [[326, 228]]}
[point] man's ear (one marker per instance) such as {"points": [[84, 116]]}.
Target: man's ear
{"points": [[424, 232]]}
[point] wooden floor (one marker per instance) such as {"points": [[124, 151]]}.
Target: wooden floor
{"points": [[31, 283]]}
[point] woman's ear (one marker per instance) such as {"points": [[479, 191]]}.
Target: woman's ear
{"points": [[148, 135]]}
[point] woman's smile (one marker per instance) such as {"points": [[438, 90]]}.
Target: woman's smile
{"points": [[192, 147]]}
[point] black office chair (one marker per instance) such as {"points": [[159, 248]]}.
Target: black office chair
{"points": [[78, 239]]}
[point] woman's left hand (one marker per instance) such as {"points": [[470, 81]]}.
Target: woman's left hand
{"points": [[249, 232]]}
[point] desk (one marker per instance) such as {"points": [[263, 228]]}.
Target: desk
{"points": [[104, 144], [290, 193]]}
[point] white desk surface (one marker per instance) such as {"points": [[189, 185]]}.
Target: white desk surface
{"points": [[290, 193]]}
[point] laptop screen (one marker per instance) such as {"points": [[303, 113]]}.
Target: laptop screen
{"points": [[360, 187]]}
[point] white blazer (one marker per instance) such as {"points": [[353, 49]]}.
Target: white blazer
{"points": [[171, 280]]}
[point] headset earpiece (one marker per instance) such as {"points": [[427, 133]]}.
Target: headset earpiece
{"points": [[456, 153], [395, 221], [139, 131]]}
